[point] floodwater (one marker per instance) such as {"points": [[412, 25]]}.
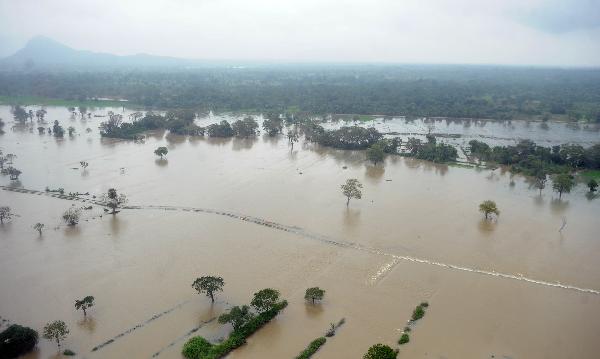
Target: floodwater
{"points": [[415, 235]]}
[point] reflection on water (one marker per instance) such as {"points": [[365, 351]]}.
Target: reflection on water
{"points": [[161, 162], [559, 206]]}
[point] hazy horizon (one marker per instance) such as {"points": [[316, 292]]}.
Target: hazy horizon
{"points": [[532, 32]]}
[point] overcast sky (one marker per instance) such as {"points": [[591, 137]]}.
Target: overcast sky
{"points": [[543, 32]]}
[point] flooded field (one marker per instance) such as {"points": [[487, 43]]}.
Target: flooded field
{"points": [[261, 215]]}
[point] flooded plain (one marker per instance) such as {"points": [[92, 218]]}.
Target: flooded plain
{"points": [[261, 215]]}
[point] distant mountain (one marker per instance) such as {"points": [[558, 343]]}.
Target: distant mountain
{"points": [[43, 52]]}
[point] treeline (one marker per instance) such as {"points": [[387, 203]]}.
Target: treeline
{"points": [[534, 160], [452, 91]]}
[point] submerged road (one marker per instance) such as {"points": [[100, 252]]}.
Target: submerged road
{"points": [[315, 236]]}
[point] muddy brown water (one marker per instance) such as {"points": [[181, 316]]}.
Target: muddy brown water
{"points": [[140, 263]]}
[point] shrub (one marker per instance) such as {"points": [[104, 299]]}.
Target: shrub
{"points": [[404, 339], [418, 313], [380, 351], [196, 347], [17, 340], [69, 352], [312, 348]]}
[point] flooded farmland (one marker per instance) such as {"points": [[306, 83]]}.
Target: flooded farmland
{"points": [[261, 215]]}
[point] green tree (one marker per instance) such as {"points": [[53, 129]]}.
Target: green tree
{"points": [[488, 207], [56, 330], [351, 189], [540, 180], [71, 216], [375, 153], [84, 304], [58, 130], [237, 316], [273, 124], [38, 227], [19, 114], [17, 340], [314, 294], [265, 299], [592, 185], [113, 200], [380, 351], [292, 136], [209, 285], [562, 183], [161, 151]]}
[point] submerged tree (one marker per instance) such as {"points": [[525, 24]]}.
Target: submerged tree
{"points": [[71, 216], [273, 124], [562, 183], [5, 214], [113, 200], [375, 153], [161, 151], [314, 294], [38, 227], [19, 114], [237, 316], [13, 173], [71, 131], [83, 164], [292, 136], [380, 351], [351, 189], [56, 330], [592, 185], [488, 207], [84, 304], [209, 285], [265, 299], [17, 340], [58, 130], [540, 180]]}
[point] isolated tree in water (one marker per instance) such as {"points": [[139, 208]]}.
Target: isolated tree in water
{"points": [[237, 316], [113, 200], [292, 136], [488, 207], [265, 299], [351, 189], [13, 173], [562, 183], [314, 294], [380, 351], [84, 304], [71, 216], [5, 214], [38, 227], [56, 330], [83, 164], [209, 285], [540, 180], [161, 151]]}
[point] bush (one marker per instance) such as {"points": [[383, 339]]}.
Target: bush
{"points": [[424, 304], [17, 340], [380, 351], [312, 348], [196, 347], [69, 353], [404, 339], [418, 313]]}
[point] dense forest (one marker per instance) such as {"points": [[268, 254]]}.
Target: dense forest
{"points": [[411, 90]]}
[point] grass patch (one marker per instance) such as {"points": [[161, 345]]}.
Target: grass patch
{"points": [[312, 348], [591, 174], [34, 100]]}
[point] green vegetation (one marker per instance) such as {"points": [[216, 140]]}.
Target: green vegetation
{"points": [[237, 316], [562, 183], [273, 125], [38, 227], [351, 189], [56, 330], [534, 160], [405, 338], [209, 285], [349, 138], [238, 337], [413, 90], [489, 207], [375, 153], [381, 351], [113, 200], [592, 185], [222, 129], [71, 216], [5, 214], [17, 340], [84, 304], [196, 347], [69, 353], [312, 348], [418, 313], [265, 300], [314, 294], [591, 174], [430, 151], [48, 101], [245, 128], [161, 151]]}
